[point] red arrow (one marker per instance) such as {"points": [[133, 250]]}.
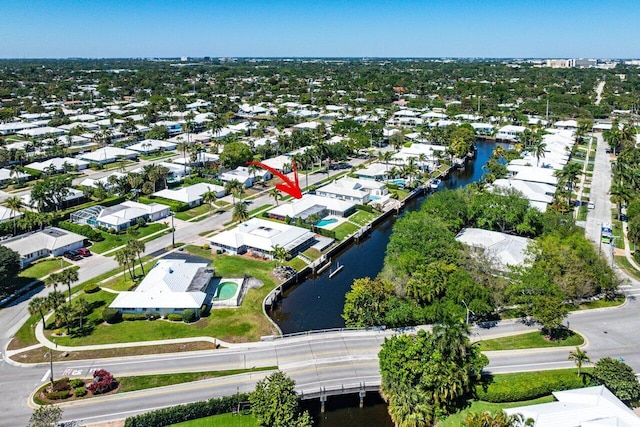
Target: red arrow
{"points": [[291, 188]]}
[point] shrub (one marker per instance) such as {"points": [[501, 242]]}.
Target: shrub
{"points": [[204, 310], [77, 382], [365, 208], [134, 316], [103, 382], [79, 392], [190, 411], [58, 395], [527, 385], [188, 315], [111, 315], [174, 317], [152, 315], [206, 246], [83, 230], [91, 288], [61, 384]]}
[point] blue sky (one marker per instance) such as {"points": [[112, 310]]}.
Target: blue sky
{"points": [[294, 28]]}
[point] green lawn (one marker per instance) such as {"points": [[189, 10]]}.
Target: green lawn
{"points": [[345, 229], [312, 253], [222, 420], [602, 303], [528, 340], [43, 268], [362, 217], [114, 240], [624, 264], [297, 264], [151, 381], [245, 323], [156, 156], [194, 212], [259, 209], [456, 420]]}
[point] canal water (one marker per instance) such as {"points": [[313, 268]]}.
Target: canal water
{"points": [[317, 303]]}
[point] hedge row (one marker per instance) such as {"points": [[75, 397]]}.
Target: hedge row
{"points": [[191, 411], [83, 230], [365, 208], [174, 205], [528, 385]]}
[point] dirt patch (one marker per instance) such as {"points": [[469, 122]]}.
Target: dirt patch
{"points": [[40, 355]]}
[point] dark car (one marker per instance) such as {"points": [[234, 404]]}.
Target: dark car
{"points": [[72, 255], [84, 252]]}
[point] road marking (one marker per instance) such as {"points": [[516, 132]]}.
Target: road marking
{"points": [[46, 376]]}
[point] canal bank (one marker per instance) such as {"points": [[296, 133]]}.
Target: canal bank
{"points": [[317, 301]]}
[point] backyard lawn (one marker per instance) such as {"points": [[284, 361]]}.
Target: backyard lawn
{"points": [[345, 229], [114, 240], [362, 217], [222, 420], [43, 268]]}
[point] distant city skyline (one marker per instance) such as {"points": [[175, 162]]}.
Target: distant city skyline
{"points": [[329, 28]]}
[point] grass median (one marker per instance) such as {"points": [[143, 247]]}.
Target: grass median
{"points": [[530, 340]]}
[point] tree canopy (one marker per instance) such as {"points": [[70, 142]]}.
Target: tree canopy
{"points": [[274, 403]]}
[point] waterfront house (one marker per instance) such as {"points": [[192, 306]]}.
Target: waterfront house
{"points": [[258, 237], [502, 249], [354, 190], [510, 133], [375, 172], [311, 204], [191, 195]]}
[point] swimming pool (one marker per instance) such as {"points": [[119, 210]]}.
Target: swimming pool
{"points": [[226, 290], [397, 181], [324, 222], [372, 197]]}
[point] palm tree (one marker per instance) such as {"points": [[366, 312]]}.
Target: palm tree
{"points": [[64, 313], [231, 188], [55, 299], [538, 149], [14, 204], [122, 258], [39, 305], [184, 147], [137, 247], [579, 357], [240, 212], [275, 193], [82, 307], [620, 194], [135, 181], [53, 280], [210, 198], [68, 276], [280, 254]]}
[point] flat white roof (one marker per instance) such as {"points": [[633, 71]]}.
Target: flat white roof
{"points": [[504, 248], [264, 235], [51, 238]]}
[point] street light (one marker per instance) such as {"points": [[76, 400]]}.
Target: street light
{"points": [[467, 307], [173, 232]]}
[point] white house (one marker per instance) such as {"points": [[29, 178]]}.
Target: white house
{"points": [[152, 145], [7, 214], [107, 155], [279, 163], [375, 171], [311, 204], [244, 176], [538, 194], [503, 249], [7, 175], [58, 164], [510, 133], [51, 241], [192, 195], [126, 214], [93, 183], [171, 286], [258, 236], [584, 407], [354, 190], [41, 132]]}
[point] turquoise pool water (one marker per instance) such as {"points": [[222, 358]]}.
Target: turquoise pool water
{"points": [[226, 290], [398, 181], [323, 222], [375, 197]]}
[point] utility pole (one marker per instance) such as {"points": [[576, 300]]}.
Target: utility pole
{"points": [[173, 232]]}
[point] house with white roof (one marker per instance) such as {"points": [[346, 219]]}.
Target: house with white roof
{"points": [[502, 249], [354, 190], [510, 133], [152, 145], [58, 164], [279, 163], [533, 174], [122, 216], [106, 155], [191, 195], [13, 127], [7, 214], [375, 172], [171, 286], [51, 241], [244, 176], [258, 236], [41, 132], [104, 181], [584, 407], [8, 175], [538, 194], [311, 204]]}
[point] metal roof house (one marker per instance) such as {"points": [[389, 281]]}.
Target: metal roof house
{"points": [[171, 286]]}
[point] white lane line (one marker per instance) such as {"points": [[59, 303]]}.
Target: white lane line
{"points": [[46, 376]]}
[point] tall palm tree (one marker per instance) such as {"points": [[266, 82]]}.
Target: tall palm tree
{"points": [[55, 299], [579, 357], [53, 280], [39, 305], [280, 254], [275, 193], [64, 313], [184, 147], [68, 276], [122, 258], [135, 181], [620, 194], [82, 307], [230, 188], [14, 203], [210, 198], [240, 212], [137, 247]]}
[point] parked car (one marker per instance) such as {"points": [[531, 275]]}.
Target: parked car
{"points": [[72, 255], [84, 252]]}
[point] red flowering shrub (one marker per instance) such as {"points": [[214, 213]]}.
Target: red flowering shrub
{"points": [[103, 382]]}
